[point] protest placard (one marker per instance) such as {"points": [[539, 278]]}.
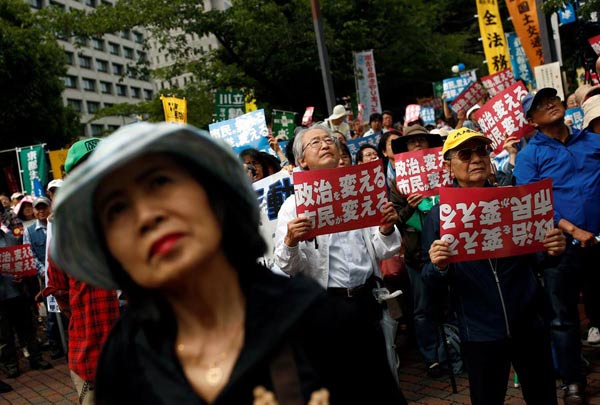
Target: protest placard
{"points": [[453, 86], [468, 97], [498, 82], [229, 104], [421, 171], [492, 36], [34, 169], [550, 75], [341, 199], [246, 131], [491, 222], [366, 81], [595, 43], [175, 109], [524, 17], [518, 59], [427, 115], [574, 117], [411, 113], [355, 144], [307, 117], [283, 124], [502, 116], [272, 191], [17, 260]]}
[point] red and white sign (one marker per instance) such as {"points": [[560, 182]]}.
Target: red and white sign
{"points": [[498, 82], [341, 199], [361, 112], [421, 172], [307, 117], [490, 222], [412, 113], [502, 116], [17, 260], [595, 43], [468, 97]]}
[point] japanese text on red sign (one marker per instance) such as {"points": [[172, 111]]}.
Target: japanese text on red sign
{"points": [[502, 116], [595, 43], [341, 199], [498, 82], [421, 172], [494, 222], [468, 98], [17, 260]]}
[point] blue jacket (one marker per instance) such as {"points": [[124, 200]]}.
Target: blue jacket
{"points": [[575, 171], [487, 310]]}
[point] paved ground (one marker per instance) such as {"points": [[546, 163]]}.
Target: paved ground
{"points": [[54, 386]]}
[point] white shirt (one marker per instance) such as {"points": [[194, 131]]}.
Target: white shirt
{"points": [[349, 263]]}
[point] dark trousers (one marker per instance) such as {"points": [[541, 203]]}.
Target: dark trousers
{"points": [[591, 283], [16, 316], [562, 285], [488, 366]]}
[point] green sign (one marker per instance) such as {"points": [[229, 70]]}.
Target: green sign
{"points": [[34, 169], [283, 124], [229, 104], [438, 89]]}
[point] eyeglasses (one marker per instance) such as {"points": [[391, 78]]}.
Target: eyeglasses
{"points": [[546, 102], [317, 142], [369, 154], [466, 153]]}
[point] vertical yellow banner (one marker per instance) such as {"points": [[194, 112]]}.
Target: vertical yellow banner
{"points": [[175, 109], [492, 36], [57, 162], [525, 20]]}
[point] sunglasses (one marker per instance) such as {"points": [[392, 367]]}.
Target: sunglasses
{"points": [[466, 153]]}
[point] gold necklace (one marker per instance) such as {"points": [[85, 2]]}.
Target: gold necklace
{"points": [[214, 371]]}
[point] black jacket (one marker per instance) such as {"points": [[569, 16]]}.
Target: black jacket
{"points": [[139, 365]]}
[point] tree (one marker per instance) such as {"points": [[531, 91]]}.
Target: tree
{"points": [[269, 45], [31, 66]]}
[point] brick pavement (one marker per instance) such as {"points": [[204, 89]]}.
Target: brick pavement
{"points": [[54, 386]]}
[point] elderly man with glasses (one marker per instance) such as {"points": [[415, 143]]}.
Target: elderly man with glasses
{"points": [[572, 159], [498, 302], [344, 263]]}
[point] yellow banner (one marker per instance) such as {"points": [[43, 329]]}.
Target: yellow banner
{"points": [[175, 109], [492, 36], [57, 162], [525, 20]]}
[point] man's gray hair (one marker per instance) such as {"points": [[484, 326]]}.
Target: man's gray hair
{"points": [[297, 147]]}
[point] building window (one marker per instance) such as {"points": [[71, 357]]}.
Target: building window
{"points": [[128, 52], [69, 60], [108, 105], [114, 49], [136, 92], [70, 82], [74, 104], [102, 65], [113, 128], [106, 88], [148, 94], [138, 37], [97, 129], [55, 4], [121, 90], [98, 44], [85, 62], [36, 3], [142, 56], [117, 69], [89, 84], [93, 107], [126, 34], [90, 3]]}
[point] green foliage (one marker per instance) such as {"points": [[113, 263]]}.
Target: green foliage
{"points": [[31, 66], [584, 11]]}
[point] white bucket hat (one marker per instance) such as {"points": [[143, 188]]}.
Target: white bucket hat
{"points": [[77, 246], [591, 110], [339, 111]]}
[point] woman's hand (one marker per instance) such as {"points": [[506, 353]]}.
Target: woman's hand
{"points": [[274, 144], [389, 218], [297, 228], [439, 254], [414, 200]]}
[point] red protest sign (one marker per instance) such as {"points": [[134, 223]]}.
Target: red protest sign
{"points": [[498, 82], [421, 172], [502, 116], [468, 98], [341, 199], [491, 222], [595, 43], [17, 260], [307, 117]]}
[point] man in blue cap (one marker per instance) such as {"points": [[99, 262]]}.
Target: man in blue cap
{"points": [[572, 159]]}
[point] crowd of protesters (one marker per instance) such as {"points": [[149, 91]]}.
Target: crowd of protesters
{"points": [[179, 339]]}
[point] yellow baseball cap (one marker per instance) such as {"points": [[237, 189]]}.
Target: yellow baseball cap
{"points": [[460, 136]]}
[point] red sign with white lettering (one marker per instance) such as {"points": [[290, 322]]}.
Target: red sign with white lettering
{"points": [[307, 117], [490, 222], [595, 43], [498, 82], [421, 172], [341, 199], [17, 260], [502, 116], [468, 98]]}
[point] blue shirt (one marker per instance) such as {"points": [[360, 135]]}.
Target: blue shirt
{"points": [[575, 171]]}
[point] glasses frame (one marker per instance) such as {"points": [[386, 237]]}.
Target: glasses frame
{"points": [[542, 105], [316, 143], [480, 150]]}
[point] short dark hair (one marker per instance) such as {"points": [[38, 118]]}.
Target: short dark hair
{"points": [[388, 112], [359, 154], [375, 117]]}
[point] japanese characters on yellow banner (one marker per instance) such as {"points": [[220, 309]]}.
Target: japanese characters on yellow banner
{"points": [[492, 36], [57, 162], [175, 109], [525, 20]]}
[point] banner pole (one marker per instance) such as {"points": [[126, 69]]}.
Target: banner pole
{"points": [[17, 151]]}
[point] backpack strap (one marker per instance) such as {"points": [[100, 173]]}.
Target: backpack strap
{"points": [[284, 375]]}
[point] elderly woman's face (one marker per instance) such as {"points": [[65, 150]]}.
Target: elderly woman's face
{"points": [[157, 221]]}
